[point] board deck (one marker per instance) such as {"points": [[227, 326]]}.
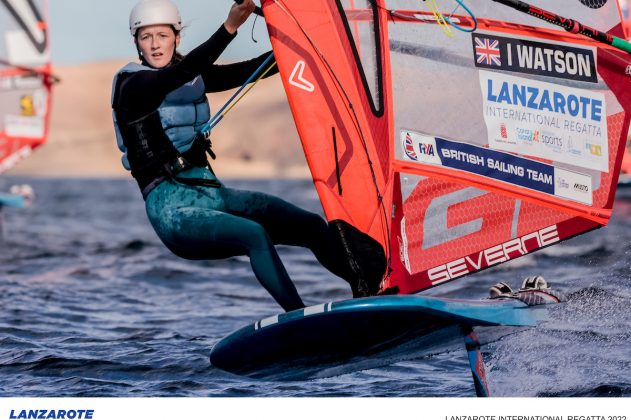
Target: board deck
{"points": [[311, 341]]}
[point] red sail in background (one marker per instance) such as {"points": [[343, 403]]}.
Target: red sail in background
{"points": [[25, 79], [453, 154]]}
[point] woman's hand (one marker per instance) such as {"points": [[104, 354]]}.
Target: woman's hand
{"points": [[239, 13]]}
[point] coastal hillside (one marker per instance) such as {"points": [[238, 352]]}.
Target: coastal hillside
{"points": [[256, 139]]}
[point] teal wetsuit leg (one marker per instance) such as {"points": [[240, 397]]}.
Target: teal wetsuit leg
{"points": [[288, 224], [193, 222]]}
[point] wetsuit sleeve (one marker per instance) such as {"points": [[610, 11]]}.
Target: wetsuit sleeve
{"points": [[142, 92], [218, 78]]}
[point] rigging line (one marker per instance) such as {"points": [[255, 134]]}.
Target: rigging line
{"points": [[207, 126], [256, 18], [217, 119], [568, 24], [469, 12], [342, 91], [393, 12], [440, 18], [257, 10], [458, 4]]}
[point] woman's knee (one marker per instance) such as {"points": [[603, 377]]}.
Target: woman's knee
{"points": [[255, 236]]}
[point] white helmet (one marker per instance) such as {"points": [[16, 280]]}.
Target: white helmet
{"points": [[154, 12]]}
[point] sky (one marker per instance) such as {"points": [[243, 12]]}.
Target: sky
{"points": [[91, 30]]}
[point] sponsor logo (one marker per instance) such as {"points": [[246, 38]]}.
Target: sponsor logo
{"points": [[408, 147], [572, 149], [551, 140], [419, 147], [27, 109], [527, 135], [503, 131], [546, 97], [524, 56], [627, 71], [581, 187], [494, 255], [297, 78], [51, 414], [563, 184], [573, 186], [426, 149], [422, 148], [595, 149], [487, 51]]}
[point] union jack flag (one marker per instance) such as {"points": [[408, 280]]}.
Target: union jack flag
{"points": [[487, 51], [409, 147]]}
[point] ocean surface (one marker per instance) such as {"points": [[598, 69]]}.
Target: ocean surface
{"points": [[93, 305]]}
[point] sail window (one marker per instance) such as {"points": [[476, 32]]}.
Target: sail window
{"points": [[362, 28]]}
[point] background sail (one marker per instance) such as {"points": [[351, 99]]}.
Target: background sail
{"points": [[480, 147], [25, 79]]}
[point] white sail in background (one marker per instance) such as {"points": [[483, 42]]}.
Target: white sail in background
{"points": [[25, 79]]}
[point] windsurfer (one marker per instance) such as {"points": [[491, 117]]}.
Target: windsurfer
{"points": [[159, 107]]}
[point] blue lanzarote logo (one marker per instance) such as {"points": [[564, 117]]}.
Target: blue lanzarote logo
{"points": [[52, 414]]}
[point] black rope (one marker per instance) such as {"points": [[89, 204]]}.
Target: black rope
{"points": [[256, 18]]}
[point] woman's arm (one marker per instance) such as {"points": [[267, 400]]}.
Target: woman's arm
{"points": [[218, 78], [142, 92]]}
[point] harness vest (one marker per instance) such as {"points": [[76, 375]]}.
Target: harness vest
{"points": [[167, 141]]}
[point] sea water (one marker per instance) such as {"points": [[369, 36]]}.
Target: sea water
{"points": [[93, 304]]}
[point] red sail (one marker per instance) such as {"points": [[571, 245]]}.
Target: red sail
{"points": [[25, 79], [453, 153]]}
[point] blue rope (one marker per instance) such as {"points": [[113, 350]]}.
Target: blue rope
{"points": [[217, 117], [460, 28]]}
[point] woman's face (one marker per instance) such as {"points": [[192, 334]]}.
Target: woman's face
{"points": [[157, 44]]}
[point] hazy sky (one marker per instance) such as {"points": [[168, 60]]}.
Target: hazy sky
{"points": [[90, 30]]}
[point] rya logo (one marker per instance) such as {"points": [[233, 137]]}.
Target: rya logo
{"points": [[426, 149]]}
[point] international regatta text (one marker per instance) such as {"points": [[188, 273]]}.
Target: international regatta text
{"points": [[544, 99], [52, 414], [547, 120]]}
